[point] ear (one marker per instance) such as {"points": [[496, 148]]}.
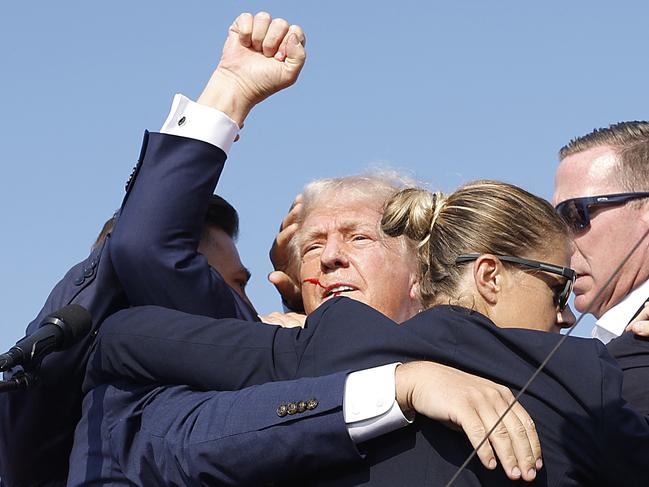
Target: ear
{"points": [[414, 292], [488, 276]]}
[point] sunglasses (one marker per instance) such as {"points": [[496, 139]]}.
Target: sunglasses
{"points": [[561, 294], [576, 211]]}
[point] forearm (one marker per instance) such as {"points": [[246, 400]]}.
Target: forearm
{"points": [[155, 241], [152, 345], [234, 438]]}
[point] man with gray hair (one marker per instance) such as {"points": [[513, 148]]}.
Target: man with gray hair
{"points": [[602, 191]]}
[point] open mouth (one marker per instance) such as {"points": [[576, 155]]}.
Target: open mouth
{"points": [[337, 290]]}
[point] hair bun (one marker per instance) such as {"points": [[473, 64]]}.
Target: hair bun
{"points": [[412, 212]]}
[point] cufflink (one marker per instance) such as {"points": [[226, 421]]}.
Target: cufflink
{"points": [[182, 121]]}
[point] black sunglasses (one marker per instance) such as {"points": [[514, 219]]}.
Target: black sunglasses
{"points": [[576, 211], [560, 297]]}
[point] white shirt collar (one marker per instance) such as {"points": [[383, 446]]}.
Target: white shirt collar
{"points": [[612, 323]]}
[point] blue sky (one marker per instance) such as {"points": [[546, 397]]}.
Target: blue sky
{"points": [[448, 91]]}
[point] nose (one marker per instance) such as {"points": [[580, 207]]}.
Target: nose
{"points": [[565, 318], [333, 255]]}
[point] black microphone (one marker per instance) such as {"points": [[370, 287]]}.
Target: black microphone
{"points": [[58, 331]]}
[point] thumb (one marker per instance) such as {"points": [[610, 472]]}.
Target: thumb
{"points": [[290, 292]]}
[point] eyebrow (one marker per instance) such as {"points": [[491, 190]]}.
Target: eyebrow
{"points": [[344, 227]]}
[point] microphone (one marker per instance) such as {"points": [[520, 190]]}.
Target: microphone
{"points": [[58, 331]]}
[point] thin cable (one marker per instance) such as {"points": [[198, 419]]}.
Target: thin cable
{"points": [[547, 359]]}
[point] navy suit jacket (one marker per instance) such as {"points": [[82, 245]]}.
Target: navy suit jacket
{"points": [[150, 258], [632, 354], [588, 433]]}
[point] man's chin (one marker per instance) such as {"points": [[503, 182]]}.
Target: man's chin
{"points": [[584, 303]]}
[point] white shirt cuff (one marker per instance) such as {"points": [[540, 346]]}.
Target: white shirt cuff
{"points": [[369, 405], [192, 120]]}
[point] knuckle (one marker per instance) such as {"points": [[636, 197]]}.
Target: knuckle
{"points": [[493, 394], [520, 431], [501, 431], [476, 430], [506, 394], [262, 15]]}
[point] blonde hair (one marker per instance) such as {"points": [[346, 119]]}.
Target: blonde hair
{"points": [[480, 217]]}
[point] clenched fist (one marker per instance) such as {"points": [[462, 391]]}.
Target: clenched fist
{"points": [[261, 56]]}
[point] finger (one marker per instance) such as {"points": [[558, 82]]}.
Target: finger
{"points": [[293, 29], [297, 30], [294, 212], [532, 434], [285, 236], [640, 328], [517, 432], [499, 438], [283, 283], [276, 32], [242, 25], [280, 252], [475, 432], [290, 292], [259, 28]]}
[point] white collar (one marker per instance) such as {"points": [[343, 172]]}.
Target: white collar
{"points": [[614, 321]]}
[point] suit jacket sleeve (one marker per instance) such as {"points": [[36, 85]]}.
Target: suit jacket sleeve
{"points": [[177, 436], [155, 241], [632, 354], [153, 345]]}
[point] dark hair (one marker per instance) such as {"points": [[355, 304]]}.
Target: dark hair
{"points": [[222, 214]]}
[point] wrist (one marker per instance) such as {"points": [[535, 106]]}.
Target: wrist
{"points": [[404, 387], [224, 94]]}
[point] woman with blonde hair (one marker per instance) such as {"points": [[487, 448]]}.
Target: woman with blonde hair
{"points": [[490, 247]]}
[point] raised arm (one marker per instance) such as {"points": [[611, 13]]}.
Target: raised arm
{"points": [[154, 244]]}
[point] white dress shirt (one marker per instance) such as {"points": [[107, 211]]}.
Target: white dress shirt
{"points": [[612, 323], [369, 405]]}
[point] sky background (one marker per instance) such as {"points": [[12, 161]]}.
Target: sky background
{"points": [[448, 91]]}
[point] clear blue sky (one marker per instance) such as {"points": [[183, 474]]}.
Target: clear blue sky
{"points": [[450, 91]]}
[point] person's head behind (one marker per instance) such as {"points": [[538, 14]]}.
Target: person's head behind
{"points": [[341, 250], [608, 161], [487, 219], [220, 230]]}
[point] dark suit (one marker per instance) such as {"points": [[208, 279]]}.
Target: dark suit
{"points": [[588, 434], [163, 213], [632, 354]]}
